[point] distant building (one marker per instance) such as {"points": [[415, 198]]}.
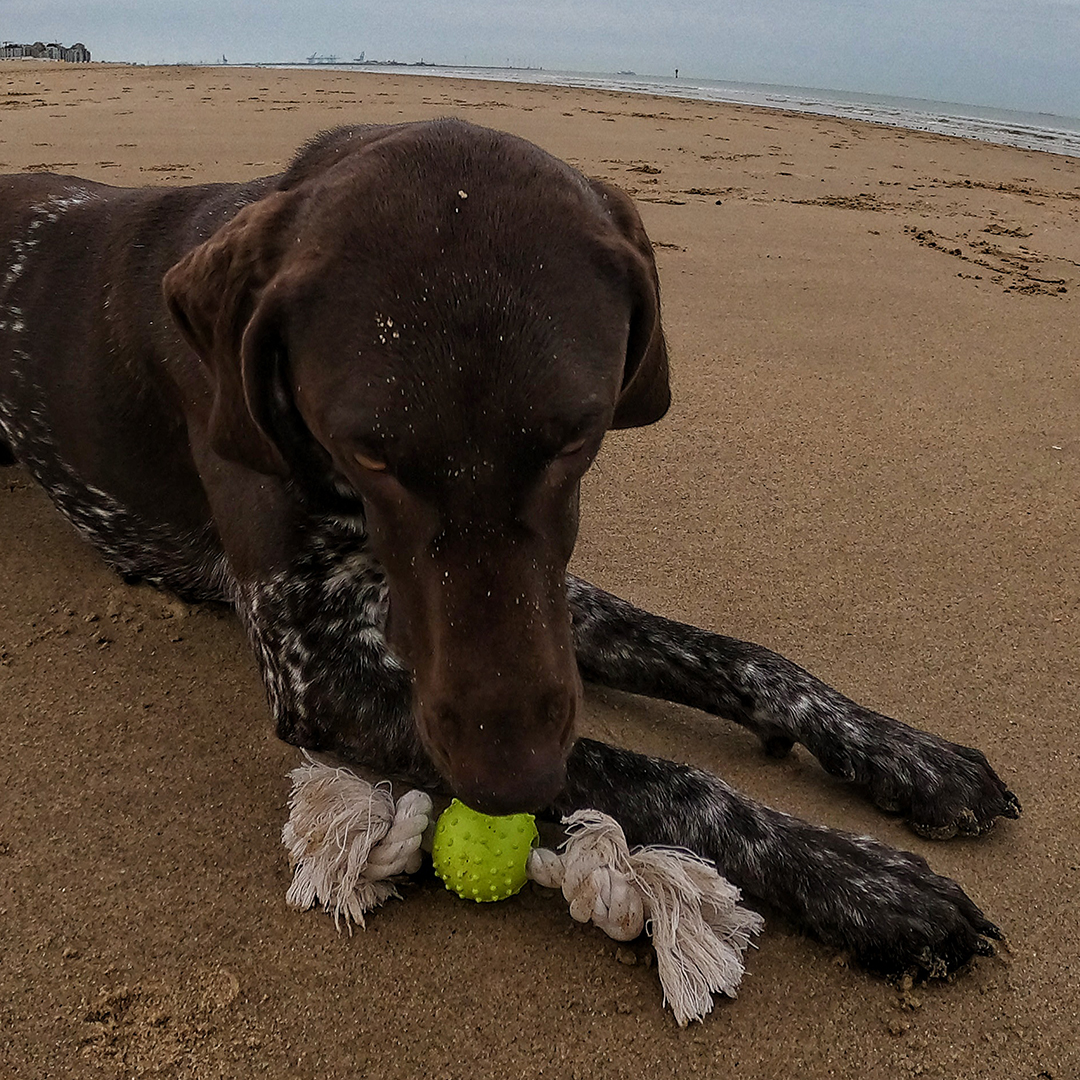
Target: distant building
{"points": [[75, 54]]}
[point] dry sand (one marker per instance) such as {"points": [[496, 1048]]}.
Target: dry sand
{"points": [[871, 466]]}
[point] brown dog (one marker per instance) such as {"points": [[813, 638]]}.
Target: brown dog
{"points": [[360, 412]]}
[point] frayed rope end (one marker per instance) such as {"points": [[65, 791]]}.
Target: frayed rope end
{"points": [[689, 910]]}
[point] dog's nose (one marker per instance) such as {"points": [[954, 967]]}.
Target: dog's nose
{"points": [[514, 790], [512, 760]]}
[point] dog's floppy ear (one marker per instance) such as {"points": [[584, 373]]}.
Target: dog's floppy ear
{"points": [[646, 393], [217, 294]]}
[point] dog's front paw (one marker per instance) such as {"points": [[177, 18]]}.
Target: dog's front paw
{"points": [[959, 793], [896, 915], [942, 789]]}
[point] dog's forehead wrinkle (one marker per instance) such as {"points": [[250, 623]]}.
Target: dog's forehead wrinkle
{"points": [[549, 395]]}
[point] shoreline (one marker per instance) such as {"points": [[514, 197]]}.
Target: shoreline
{"points": [[999, 127]]}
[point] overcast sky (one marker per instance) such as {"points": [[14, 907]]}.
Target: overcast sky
{"points": [[1022, 54]]}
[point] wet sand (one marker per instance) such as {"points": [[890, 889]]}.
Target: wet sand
{"points": [[870, 466]]}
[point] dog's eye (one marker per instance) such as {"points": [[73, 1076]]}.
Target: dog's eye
{"points": [[572, 448], [372, 464]]}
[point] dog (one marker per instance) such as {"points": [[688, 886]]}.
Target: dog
{"points": [[356, 401]]}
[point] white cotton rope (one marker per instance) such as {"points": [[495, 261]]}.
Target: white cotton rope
{"points": [[348, 840]]}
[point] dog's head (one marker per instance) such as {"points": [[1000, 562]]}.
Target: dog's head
{"points": [[440, 323]]}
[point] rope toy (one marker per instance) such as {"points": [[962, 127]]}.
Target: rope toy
{"points": [[349, 843]]}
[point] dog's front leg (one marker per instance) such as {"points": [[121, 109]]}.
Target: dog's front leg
{"points": [[887, 906], [317, 630], [941, 787]]}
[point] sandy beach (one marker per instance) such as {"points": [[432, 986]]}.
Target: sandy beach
{"points": [[870, 466]]}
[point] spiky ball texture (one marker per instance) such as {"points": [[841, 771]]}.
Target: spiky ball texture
{"points": [[480, 857]]}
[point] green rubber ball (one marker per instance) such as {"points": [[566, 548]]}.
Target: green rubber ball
{"points": [[480, 857]]}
